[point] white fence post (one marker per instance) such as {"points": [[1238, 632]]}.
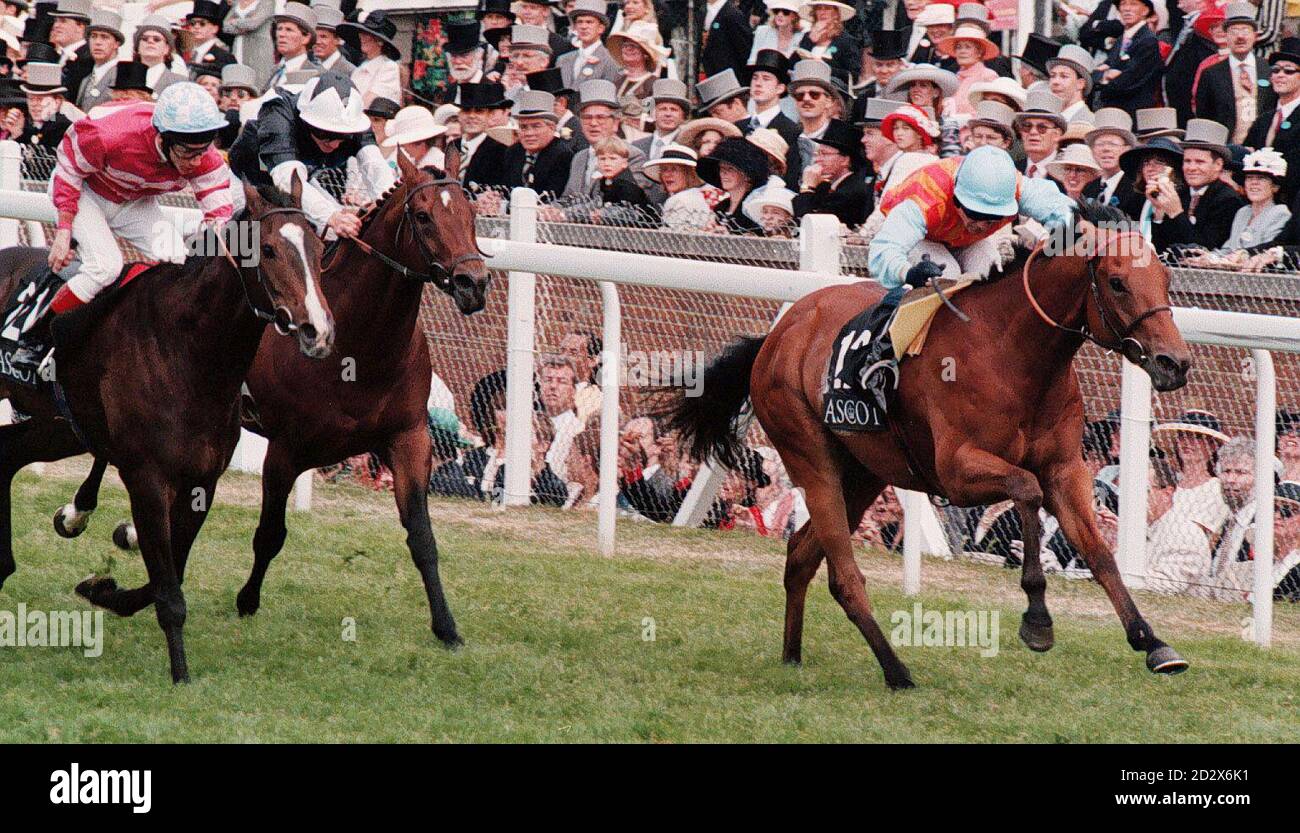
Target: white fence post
{"points": [[520, 356], [302, 491], [1134, 475], [612, 337], [11, 163], [1265, 434]]}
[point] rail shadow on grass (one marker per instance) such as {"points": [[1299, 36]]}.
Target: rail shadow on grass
{"points": [[558, 646]]}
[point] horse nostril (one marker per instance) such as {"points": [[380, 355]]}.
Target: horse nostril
{"points": [[308, 333], [462, 281]]}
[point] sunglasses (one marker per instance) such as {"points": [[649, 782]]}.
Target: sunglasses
{"points": [[327, 136], [811, 95], [1279, 70], [1037, 127]]}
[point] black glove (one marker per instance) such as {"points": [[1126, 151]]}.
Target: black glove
{"points": [[920, 274]]}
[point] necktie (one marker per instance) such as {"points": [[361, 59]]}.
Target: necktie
{"points": [[530, 159], [1196, 200], [1272, 130], [1033, 169], [1123, 47], [753, 123], [1243, 78]]}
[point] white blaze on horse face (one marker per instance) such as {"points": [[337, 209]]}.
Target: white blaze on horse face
{"points": [[315, 312], [446, 199]]}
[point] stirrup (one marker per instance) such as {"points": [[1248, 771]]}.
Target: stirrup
{"points": [[47, 368]]}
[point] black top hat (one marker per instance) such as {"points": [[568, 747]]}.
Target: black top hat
{"points": [[888, 44], [549, 81], [461, 38], [207, 10], [130, 75], [11, 94], [37, 29], [1039, 50], [844, 137], [1287, 50], [750, 159], [484, 96], [495, 7], [40, 53], [1131, 160], [381, 107], [374, 23], [198, 70], [769, 60]]}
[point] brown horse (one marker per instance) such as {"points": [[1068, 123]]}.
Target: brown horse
{"points": [[153, 387], [1008, 426], [317, 413]]}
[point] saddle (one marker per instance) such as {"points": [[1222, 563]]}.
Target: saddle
{"points": [[862, 378]]}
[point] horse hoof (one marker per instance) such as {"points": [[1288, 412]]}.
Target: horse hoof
{"points": [[95, 587], [1038, 638], [1165, 660], [66, 528], [124, 537], [898, 682], [451, 643]]}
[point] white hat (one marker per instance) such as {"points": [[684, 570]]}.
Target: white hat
{"points": [[412, 124], [445, 113], [1265, 161], [846, 11], [782, 198], [1000, 86], [788, 5], [946, 81], [1076, 155], [936, 14]]}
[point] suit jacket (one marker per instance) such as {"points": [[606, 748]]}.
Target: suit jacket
{"points": [[1286, 142], [727, 42], [487, 165], [255, 36], [579, 185], [48, 135], [605, 67], [1098, 27], [1125, 198], [851, 201], [1216, 97], [1214, 215], [1141, 68], [844, 55], [76, 69], [1180, 72], [90, 96], [217, 57], [549, 173]]}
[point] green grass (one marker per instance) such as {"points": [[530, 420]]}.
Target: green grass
{"points": [[555, 651]]}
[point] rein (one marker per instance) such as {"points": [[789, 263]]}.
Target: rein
{"points": [[286, 327], [1121, 337], [443, 276]]}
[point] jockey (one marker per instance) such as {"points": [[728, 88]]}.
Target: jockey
{"points": [[108, 177], [957, 203], [322, 127]]}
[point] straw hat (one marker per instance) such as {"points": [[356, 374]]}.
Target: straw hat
{"points": [[412, 124], [644, 35], [968, 32], [1001, 86], [774, 145], [846, 11], [946, 81], [690, 133], [673, 154], [1075, 156], [1196, 422]]}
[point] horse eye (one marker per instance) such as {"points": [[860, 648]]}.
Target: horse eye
{"points": [[1117, 285], [268, 250], [422, 216]]}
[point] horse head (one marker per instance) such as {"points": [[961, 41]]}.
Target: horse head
{"points": [[288, 269]]}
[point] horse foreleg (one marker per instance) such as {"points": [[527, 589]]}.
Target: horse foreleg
{"points": [[189, 511], [278, 473], [71, 520], [151, 503], [1036, 624], [1069, 498], [409, 457]]}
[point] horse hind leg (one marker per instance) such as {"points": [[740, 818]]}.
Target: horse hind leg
{"points": [[7, 564], [1036, 625], [278, 474], [71, 519]]}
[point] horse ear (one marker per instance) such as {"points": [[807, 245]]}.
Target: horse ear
{"points": [[451, 163], [406, 167], [295, 190], [251, 197]]}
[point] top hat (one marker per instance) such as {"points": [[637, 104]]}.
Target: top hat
{"points": [[995, 115], [718, 88], [598, 91], [670, 89], [1078, 59], [1114, 121], [104, 20], [300, 14], [75, 9], [888, 44], [40, 53], [44, 79], [1044, 105], [461, 38], [875, 110], [976, 13], [844, 137], [549, 80], [1287, 50], [207, 10], [37, 30], [1241, 13], [1038, 49], [130, 75], [594, 8], [239, 76], [1207, 134], [327, 18], [1158, 121], [535, 104], [525, 37], [377, 25], [501, 7], [810, 72], [770, 60], [481, 96]]}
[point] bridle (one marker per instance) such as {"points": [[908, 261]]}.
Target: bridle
{"points": [[283, 326], [1122, 337], [442, 273]]}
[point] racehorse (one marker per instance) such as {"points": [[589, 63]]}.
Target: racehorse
{"points": [[153, 388], [315, 414], [1008, 425]]}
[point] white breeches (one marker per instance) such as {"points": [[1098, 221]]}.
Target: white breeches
{"points": [[979, 258], [98, 226]]}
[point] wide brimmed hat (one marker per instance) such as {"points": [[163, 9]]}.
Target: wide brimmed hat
{"points": [[974, 34], [999, 86], [1206, 134], [996, 116], [535, 104], [691, 131], [915, 118], [382, 108], [774, 145], [875, 111], [748, 158], [1078, 59], [718, 88], [672, 90], [1287, 50], [44, 79], [936, 14], [1131, 160], [412, 124], [888, 44], [105, 20], [481, 96], [673, 154], [645, 36], [530, 38], [946, 81], [1197, 422], [299, 14], [133, 75], [1077, 155], [1241, 13], [552, 81], [769, 60], [1157, 122], [207, 10], [846, 11], [1265, 162], [501, 7], [1038, 50], [598, 91], [462, 38], [376, 24], [1112, 121], [594, 8], [75, 9]]}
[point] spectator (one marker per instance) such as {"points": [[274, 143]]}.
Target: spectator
{"points": [[530, 51], [1070, 79], [737, 167], [538, 13], [688, 206], [1193, 442], [671, 108], [975, 13], [725, 38], [1178, 550], [465, 51], [926, 87], [1191, 46], [203, 24], [814, 96], [991, 124], [826, 39], [539, 160], [1278, 127], [641, 59], [1039, 127], [155, 48], [1234, 92], [482, 158], [911, 130], [970, 48], [295, 30], [566, 128], [782, 32], [328, 49], [885, 55], [1038, 50], [1110, 137], [1002, 90], [412, 132], [559, 388], [722, 97], [703, 135], [68, 35], [1074, 168], [778, 156], [735, 506], [597, 111], [1231, 543], [652, 478], [209, 79], [1202, 214], [238, 87], [776, 212], [1155, 169], [617, 187], [44, 88], [583, 350], [1288, 445], [1286, 542], [583, 466], [381, 112], [1130, 76], [250, 22], [769, 73], [590, 61], [882, 526], [938, 20], [829, 185], [635, 12], [448, 478], [373, 36], [105, 40], [1262, 218]]}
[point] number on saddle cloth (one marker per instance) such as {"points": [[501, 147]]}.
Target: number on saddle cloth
{"points": [[863, 373], [24, 324]]}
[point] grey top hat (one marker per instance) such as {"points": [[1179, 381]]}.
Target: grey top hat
{"points": [[595, 8], [535, 104], [1207, 134], [44, 79], [1078, 59], [1234, 13], [75, 9], [326, 4], [975, 13], [876, 110], [157, 23], [814, 72], [327, 17], [103, 20], [239, 76], [1042, 104], [299, 13], [994, 114], [523, 36], [1158, 121], [597, 91], [1114, 121], [719, 88], [670, 89]]}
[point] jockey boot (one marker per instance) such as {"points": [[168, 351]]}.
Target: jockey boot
{"points": [[64, 300], [879, 368]]}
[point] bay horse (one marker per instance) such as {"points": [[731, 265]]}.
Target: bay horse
{"points": [[1008, 426], [316, 413], [152, 386]]}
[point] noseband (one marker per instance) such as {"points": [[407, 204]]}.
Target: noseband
{"points": [[1122, 335], [442, 273], [284, 328]]}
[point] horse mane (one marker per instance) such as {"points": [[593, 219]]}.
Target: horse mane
{"points": [[380, 204], [1086, 210]]}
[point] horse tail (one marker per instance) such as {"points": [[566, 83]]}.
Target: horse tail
{"points": [[709, 424]]}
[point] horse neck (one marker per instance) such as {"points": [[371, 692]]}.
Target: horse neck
{"points": [[362, 288], [1060, 286], [216, 324]]}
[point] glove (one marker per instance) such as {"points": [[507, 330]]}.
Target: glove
{"points": [[920, 274]]}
